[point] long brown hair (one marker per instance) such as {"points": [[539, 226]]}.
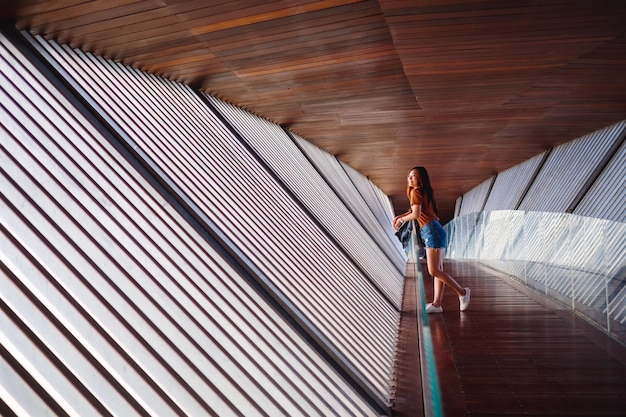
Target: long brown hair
{"points": [[425, 188]]}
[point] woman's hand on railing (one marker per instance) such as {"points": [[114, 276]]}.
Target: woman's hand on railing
{"points": [[397, 222]]}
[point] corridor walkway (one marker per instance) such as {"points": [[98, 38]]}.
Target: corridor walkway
{"points": [[512, 353]]}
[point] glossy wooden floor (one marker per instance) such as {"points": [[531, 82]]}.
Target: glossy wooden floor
{"points": [[512, 353]]}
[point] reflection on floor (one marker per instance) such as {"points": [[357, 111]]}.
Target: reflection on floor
{"points": [[512, 353]]}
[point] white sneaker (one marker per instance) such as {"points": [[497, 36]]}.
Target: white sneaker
{"points": [[430, 308], [464, 299]]}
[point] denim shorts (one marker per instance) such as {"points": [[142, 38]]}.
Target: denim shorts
{"points": [[434, 235]]}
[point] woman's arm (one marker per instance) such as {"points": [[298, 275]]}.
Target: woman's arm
{"points": [[408, 216]]}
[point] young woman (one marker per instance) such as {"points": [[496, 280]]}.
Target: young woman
{"points": [[424, 210]]}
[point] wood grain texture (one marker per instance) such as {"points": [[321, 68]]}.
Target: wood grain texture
{"points": [[465, 88], [513, 353]]}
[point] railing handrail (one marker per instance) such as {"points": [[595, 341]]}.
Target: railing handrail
{"points": [[430, 380]]}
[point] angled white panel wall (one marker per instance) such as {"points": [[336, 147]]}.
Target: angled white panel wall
{"points": [[606, 198], [578, 258], [335, 174], [116, 298], [474, 199], [378, 202], [567, 169], [510, 184], [234, 193], [370, 247]]}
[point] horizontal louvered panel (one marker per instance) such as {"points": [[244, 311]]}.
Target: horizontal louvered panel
{"points": [[136, 309], [284, 157], [566, 171], [238, 198], [509, 185], [377, 201], [335, 173], [474, 199], [606, 198]]}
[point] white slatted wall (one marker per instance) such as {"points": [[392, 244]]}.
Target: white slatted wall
{"points": [[606, 198], [379, 203], [335, 174], [280, 152], [578, 258], [561, 179], [510, 185], [567, 169], [474, 199], [117, 294]]}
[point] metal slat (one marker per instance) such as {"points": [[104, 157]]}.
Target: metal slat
{"points": [[17, 397], [55, 262], [474, 199], [153, 308], [510, 184], [33, 384], [566, 170], [210, 173], [231, 200], [67, 233], [607, 196], [334, 171], [288, 162], [378, 202], [283, 156]]}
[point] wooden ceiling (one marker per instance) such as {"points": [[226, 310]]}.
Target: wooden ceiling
{"points": [[465, 88]]}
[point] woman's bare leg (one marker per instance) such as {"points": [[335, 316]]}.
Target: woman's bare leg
{"points": [[434, 261], [438, 286]]}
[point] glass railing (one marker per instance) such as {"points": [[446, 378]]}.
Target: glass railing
{"points": [[579, 261], [430, 379]]}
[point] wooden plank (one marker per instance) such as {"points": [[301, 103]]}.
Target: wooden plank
{"points": [[516, 77], [513, 354]]}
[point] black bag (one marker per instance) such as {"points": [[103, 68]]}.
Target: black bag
{"points": [[404, 235]]}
